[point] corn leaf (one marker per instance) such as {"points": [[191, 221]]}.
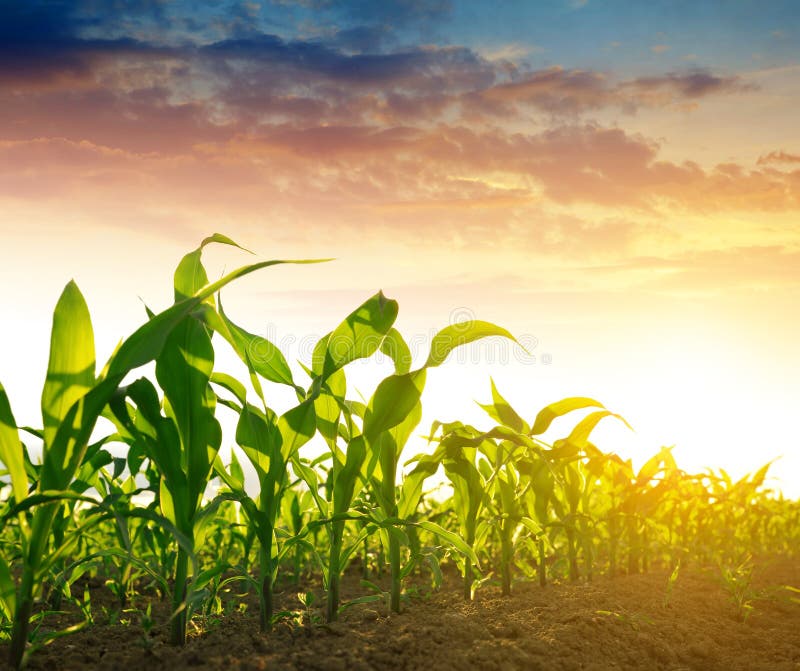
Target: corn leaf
{"points": [[359, 335], [11, 450], [8, 591], [70, 375], [232, 385], [411, 489], [346, 478], [259, 354], [501, 411], [461, 333], [146, 343], [183, 371], [396, 348], [549, 413], [190, 275], [260, 439], [393, 400], [448, 536], [297, 426], [328, 411]]}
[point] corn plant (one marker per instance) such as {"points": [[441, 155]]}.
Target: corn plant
{"points": [[393, 413], [72, 401], [358, 336], [671, 581], [737, 582], [643, 492], [376, 433], [269, 442], [546, 467], [510, 486], [184, 442], [507, 492], [296, 507]]}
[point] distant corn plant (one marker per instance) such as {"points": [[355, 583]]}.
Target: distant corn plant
{"points": [[481, 465]]}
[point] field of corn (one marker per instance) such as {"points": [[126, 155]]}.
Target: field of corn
{"points": [[510, 551]]}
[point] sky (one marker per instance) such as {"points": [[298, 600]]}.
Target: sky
{"points": [[616, 183]]}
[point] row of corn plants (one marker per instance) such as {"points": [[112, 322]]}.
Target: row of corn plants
{"points": [[131, 486]]}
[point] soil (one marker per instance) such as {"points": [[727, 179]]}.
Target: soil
{"points": [[622, 623]]}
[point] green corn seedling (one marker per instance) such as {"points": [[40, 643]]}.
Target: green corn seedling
{"points": [[184, 444], [457, 453], [269, 442], [737, 581], [357, 337], [373, 450], [393, 413], [72, 401]]}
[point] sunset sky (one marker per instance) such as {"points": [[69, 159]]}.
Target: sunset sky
{"points": [[617, 183]]}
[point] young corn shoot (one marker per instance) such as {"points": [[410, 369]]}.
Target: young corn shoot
{"points": [[269, 442], [357, 337], [393, 413], [72, 401]]}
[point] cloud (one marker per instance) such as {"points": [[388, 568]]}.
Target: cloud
{"points": [[361, 39], [513, 51], [579, 194], [686, 85], [143, 120], [387, 12], [553, 89], [417, 69], [778, 157], [561, 91], [385, 166], [63, 42], [371, 27], [660, 48], [95, 61], [341, 130]]}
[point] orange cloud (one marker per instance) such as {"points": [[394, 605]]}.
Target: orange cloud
{"points": [[387, 166], [778, 157]]}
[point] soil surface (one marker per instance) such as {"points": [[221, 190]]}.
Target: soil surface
{"points": [[622, 623]]}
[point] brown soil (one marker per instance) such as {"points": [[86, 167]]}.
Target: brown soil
{"points": [[608, 624]]}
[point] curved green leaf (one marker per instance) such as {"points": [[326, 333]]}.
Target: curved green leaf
{"points": [[232, 385], [396, 348], [392, 401], [448, 536], [147, 341], [549, 413], [359, 335], [461, 333], [297, 426], [259, 354], [501, 411]]}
